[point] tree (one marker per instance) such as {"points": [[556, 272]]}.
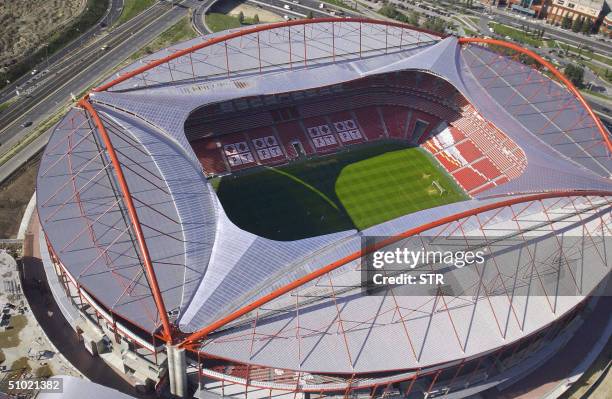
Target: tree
{"points": [[587, 26], [389, 11], [577, 25], [435, 24], [575, 73], [241, 17], [566, 23], [413, 18], [256, 19], [309, 15]]}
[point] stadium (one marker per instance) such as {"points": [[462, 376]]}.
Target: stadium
{"points": [[206, 212]]}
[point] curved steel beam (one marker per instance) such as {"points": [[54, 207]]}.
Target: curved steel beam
{"points": [[570, 86], [255, 29], [133, 215], [199, 335]]}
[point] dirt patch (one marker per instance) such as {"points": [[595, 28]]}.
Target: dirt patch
{"points": [[26, 24], [10, 337], [14, 197], [43, 372], [250, 11]]}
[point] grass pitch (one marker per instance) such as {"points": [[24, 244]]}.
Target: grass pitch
{"points": [[359, 188]]}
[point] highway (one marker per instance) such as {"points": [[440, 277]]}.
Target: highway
{"points": [[26, 81], [83, 68]]}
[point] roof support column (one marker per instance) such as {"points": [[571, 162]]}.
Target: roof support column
{"points": [[177, 371]]}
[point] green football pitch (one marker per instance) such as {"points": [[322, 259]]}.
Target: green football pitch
{"points": [[358, 188]]}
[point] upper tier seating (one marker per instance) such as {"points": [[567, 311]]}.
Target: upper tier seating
{"points": [[475, 153]]}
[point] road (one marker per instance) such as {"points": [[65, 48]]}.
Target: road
{"points": [[506, 17], [553, 32], [26, 81], [198, 16], [82, 69]]}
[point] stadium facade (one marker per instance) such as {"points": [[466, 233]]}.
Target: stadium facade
{"points": [[160, 283]]}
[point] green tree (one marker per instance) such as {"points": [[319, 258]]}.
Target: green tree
{"points": [[587, 26], [256, 19], [241, 17], [577, 25], [575, 73], [309, 15], [388, 11], [566, 23], [435, 24], [413, 18]]}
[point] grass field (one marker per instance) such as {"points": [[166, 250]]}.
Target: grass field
{"points": [[218, 22], [178, 32], [131, 8], [354, 189], [520, 36]]}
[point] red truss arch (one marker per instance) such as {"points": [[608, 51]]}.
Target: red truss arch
{"points": [[568, 84], [197, 336]]}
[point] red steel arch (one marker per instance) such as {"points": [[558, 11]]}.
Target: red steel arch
{"points": [[135, 222], [201, 334], [568, 84], [255, 29]]}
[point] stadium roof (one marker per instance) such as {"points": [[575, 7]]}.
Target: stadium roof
{"points": [[204, 264]]}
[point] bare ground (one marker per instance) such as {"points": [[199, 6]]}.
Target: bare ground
{"points": [[26, 24], [14, 197], [250, 11]]}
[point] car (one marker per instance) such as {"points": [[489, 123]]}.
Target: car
{"points": [[26, 124]]}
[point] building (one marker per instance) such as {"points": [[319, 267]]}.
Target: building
{"points": [[162, 279], [606, 25], [533, 8], [593, 10]]}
